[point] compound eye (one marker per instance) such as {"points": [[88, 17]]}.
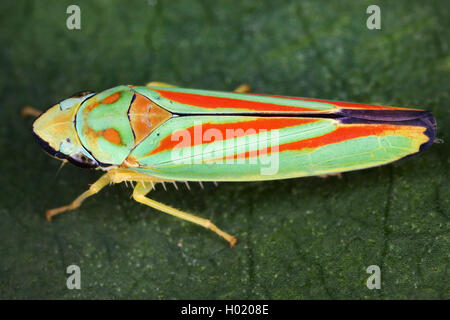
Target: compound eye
{"points": [[76, 98], [82, 160], [82, 94]]}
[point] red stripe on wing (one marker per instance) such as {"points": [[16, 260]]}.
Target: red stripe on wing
{"points": [[342, 133], [349, 105], [242, 128], [210, 102]]}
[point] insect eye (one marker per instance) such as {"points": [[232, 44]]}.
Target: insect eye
{"points": [[81, 94], [82, 160]]}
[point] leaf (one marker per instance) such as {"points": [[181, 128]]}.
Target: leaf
{"points": [[307, 238]]}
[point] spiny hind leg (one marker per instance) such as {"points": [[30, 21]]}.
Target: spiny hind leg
{"points": [[139, 194], [93, 189], [30, 111]]}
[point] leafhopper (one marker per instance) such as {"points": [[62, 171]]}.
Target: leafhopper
{"points": [[159, 133]]}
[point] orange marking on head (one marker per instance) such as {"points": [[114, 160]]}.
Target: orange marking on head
{"points": [[112, 135], [111, 99], [91, 106], [90, 133]]}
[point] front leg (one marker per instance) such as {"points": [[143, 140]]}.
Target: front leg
{"points": [[93, 189], [30, 111]]}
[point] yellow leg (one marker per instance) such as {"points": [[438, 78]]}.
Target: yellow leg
{"points": [[243, 88], [159, 84], [30, 111], [93, 189], [145, 184], [142, 189], [338, 174]]}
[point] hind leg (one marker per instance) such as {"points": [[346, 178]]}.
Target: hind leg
{"points": [[140, 192]]}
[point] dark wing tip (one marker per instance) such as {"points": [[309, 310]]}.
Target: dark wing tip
{"points": [[420, 118], [429, 122]]}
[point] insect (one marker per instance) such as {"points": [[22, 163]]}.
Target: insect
{"points": [[159, 133]]}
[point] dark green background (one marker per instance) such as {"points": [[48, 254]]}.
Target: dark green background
{"points": [[299, 239]]}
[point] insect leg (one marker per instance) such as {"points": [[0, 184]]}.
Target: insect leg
{"points": [[159, 84], [142, 189], [93, 189], [30, 111], [243, 88], [337, 174]]}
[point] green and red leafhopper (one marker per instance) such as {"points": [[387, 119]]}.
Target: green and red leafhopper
{"points": [[160, 133]]}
